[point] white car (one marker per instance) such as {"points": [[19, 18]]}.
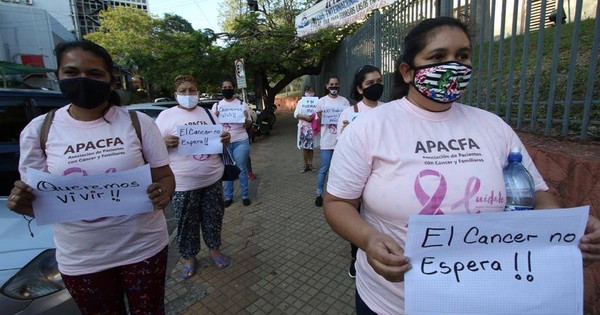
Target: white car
{"points": [[150, 110], [31, 283]]}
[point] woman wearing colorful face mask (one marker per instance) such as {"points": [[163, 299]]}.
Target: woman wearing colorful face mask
{"points": [[367, 88], [384, 163], [305, 138], [240, 145], [104, 258], [328, 132], [198, 197]]}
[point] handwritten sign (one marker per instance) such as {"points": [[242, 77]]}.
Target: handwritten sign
{"points": [[521, 262], [198, 139], [331, 114], [352, 116], [66, 198], [232, 114], [308, 105]]}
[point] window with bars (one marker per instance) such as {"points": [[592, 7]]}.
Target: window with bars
{"points": [[536, 13]]}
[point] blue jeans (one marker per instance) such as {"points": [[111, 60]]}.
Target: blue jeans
{"points": [[240, 151], [323, 169]]}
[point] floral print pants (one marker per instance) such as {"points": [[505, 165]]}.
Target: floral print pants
{"points": [[195, 209]]}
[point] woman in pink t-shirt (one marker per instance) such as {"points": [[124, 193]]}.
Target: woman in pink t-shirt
{"points": [[198, 197], [367, 88], [240, 144], [328, 132], [104, 258], [393, 162], [306, 137]]}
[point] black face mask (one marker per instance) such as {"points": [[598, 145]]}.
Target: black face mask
{"points": [[373, 92], [227, 93], [85, 93]]}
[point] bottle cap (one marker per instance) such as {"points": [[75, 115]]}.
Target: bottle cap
{"points": [[515, 155]]}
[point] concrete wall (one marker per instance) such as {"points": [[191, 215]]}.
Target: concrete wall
{"points": [[572, 170]]}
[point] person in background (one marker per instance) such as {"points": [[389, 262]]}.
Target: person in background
{"points": [[305, 138], [240, 145], [367, 88], [251, 174], [381, 164], [105, 258], [198, 197], [328, 133]]}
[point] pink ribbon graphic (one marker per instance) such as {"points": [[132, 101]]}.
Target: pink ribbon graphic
{"points": [[431, 204], [471, 190]]}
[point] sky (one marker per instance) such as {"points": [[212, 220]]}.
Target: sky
{"points": [[201, 13]]}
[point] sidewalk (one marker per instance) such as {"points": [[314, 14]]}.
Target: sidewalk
{"points": [[286, 259]]}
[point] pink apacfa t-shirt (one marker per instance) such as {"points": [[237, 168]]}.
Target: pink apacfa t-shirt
{"points": [[237, 131], [329, 132], [80, 148], [361, 107], [191, 172], [403, 160]]}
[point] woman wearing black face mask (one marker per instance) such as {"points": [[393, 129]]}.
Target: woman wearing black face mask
{"points": [[367, 88], [240, 144], [102, 258]]}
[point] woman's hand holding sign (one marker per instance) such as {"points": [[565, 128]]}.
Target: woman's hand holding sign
{"points": [[386, 257], [225, 137], [171, 141], [590, 242], [20, 199]]}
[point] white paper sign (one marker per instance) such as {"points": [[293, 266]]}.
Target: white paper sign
{"points": [[308, 105], [232, 114], [352, 116], [518, 262], [331, 114], [68, 198], [195, 140]]}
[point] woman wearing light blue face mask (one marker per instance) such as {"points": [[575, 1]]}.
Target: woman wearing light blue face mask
{"points": [[198, 196]]}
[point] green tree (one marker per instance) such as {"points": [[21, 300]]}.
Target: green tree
{"points": [[160, 48], [267, 41]]}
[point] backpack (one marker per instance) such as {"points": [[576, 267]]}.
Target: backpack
{"points": [[50, 117]]}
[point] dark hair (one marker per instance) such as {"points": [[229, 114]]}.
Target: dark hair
{"points": [[61, 49], [228, 78], [359, 77], [329, 77], [414, 42]]}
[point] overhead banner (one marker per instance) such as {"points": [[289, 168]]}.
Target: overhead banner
{"points": [[335, 13]]}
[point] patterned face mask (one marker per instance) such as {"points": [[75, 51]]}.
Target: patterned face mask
{"points": [[442, 82]]}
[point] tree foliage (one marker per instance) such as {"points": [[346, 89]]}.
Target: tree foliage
{"points": [[159, 49], [267, 41]]}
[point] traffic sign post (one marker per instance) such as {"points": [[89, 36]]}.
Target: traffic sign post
{"points": [[240, 75]]}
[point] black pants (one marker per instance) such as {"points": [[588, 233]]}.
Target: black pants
{"points": [[354, 248], [361, 307]]}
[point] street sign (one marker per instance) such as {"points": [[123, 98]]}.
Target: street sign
{"points": [[240, 74]]}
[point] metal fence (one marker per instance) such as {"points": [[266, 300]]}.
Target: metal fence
{"points": [[539, 75]]}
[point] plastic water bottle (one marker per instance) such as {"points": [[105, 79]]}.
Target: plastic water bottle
{"points": [[520, 190]]}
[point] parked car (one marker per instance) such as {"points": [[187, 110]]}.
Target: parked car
{"points": [[150, 110], [163, 99], [29, 279]]}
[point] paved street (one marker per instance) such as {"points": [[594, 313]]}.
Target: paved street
{"points": [[286, 259]]}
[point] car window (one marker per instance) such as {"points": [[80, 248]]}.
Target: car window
{"points": [[153, 113], [44, 105], [13, 118]]}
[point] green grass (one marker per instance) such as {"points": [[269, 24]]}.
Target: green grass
{"points": [[489, 89]]}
